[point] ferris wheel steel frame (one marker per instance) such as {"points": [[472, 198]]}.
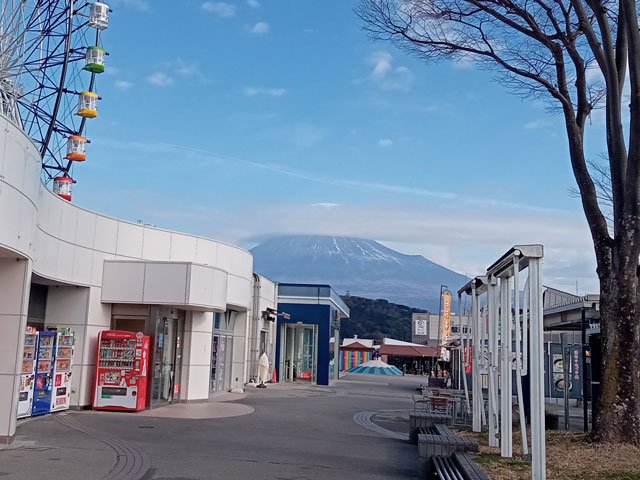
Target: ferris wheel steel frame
{"points": [[49, 52]]}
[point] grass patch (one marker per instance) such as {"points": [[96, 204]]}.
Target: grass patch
{"points": [[570, 456]]}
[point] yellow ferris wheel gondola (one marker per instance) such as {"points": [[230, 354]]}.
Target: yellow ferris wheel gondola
{"points": [[87, 104]]}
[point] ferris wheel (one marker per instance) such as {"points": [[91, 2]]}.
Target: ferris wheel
{"points": [[50, 56]]}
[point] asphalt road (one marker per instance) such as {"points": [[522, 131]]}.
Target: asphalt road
{"points": [[295, 432]]}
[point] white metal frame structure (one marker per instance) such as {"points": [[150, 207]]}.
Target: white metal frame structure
{"points": [[475, 289], [507, 270], [523, 353]]}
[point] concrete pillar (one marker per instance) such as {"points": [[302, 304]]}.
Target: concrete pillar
{"points": [[238, 360], [80, 309], [15, 283], [196, 361]]}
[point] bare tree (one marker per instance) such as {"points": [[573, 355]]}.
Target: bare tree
{"points": [[575, 53]]}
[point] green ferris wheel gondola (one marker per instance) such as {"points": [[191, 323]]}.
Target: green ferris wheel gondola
{"points": [[94, 61]]}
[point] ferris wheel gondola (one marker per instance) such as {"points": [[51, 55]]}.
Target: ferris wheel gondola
{"points": [[50, 56]]}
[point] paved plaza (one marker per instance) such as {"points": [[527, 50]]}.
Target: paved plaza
{"points": [[354, 429]]}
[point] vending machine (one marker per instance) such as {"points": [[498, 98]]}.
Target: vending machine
{"points": [[44, 371], [121, 371], [61, 392], [27, 377]]}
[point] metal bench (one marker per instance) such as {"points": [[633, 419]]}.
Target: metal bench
{"points": [[459, 466], [439, 441], [421, 420]]}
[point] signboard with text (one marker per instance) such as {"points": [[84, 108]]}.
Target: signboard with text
{"points": [[446, 325], [421, 327]]}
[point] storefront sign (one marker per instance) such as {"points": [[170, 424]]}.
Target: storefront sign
{"points": [[305, 375], [446, 324], [421, 327], [468, 359]]}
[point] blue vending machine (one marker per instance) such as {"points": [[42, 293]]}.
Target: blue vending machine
{"points": [[44, 373]]}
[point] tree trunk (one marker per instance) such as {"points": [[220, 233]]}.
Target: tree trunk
{"points": [[619, 404]]}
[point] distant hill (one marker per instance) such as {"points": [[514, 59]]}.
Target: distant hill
{"points": [[364, 268], [377, 319]]}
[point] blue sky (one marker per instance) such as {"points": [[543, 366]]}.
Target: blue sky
{"points": [[237, 120]]}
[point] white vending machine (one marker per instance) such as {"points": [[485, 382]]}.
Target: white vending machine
{"points": [[61, 391], [28, 374]]}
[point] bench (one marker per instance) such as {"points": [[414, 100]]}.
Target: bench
{"points": [[439, 441], [424, 420], [459, 466], [469, 470]]}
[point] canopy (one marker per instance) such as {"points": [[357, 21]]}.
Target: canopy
{"points": [[377, 367], [411, 350]]}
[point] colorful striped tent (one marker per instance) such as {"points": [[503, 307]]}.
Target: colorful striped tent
{"points": [[376, 367], [353, 358], [353, 352]]}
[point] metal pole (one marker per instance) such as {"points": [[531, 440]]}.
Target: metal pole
{"points": [[465, 357], [483, 355], [536, 373], [566, 361], [585, 409], [476, 376], [461, 346], [520, 353], [439, 330], [336, 352], [506, 373], [550, 370], [493, 360]]}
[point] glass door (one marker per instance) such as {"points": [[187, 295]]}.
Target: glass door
{"points": [[214, 362], [289, 364], [222, 364], [299, 353], [308, 364], [229, 363], [164, 360]]}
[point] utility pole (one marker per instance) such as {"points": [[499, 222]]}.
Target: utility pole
{"points": [[442, 289], [336, 344]]}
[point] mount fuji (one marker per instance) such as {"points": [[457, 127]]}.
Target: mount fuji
{"points": [[361, 267]]}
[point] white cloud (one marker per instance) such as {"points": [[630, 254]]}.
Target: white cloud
{"points": [[468, 241], [465, 240], [462, 232], [260, 28], [385, 142], [254, 91], [385, 76], [325, 205], [536, 124], [123, 85], [253, 3], [160, 79], [464, 61], [184, 68], [221, 9]]}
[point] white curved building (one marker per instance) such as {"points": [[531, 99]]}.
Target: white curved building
{"points": [[65, 266]]}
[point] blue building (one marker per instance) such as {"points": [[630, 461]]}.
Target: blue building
{"points": [[302, 342]]}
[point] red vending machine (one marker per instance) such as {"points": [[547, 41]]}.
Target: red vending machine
{"points": [[121, 371]]}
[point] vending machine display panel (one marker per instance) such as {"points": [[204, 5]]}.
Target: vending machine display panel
{"points": [[121, 371], [62, 370], [44, 373], [28, 373]]}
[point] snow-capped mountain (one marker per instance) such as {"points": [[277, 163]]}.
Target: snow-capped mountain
{"points": [[362, 267]]}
